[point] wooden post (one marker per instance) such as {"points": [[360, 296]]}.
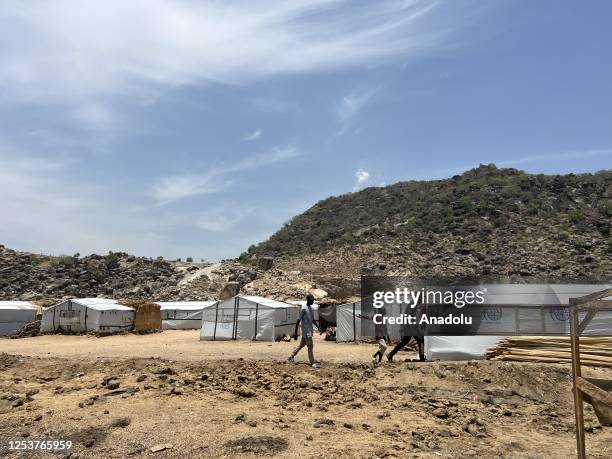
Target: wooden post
{"points": [[576, 373]]}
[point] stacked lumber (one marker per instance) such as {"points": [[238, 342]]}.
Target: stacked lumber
{"points": [[594, 350]]}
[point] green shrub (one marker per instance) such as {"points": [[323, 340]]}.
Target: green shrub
{"points": [[563, 235], [111, 260], [576, 216]]}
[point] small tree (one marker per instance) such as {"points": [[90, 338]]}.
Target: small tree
{"points": [[111, 260], [189, 259]]}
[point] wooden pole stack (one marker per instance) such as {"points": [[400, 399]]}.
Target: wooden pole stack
{"points": [[594, 351]]}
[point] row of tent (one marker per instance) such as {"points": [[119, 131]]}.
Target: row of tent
{"points": [[99, 315], [262, 319], [248, 317], [241, 317]]}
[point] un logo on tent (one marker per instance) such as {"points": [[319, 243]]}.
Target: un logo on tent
{"points": [[493, 313], [559, 314]]}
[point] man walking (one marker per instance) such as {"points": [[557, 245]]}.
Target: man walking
{"points": [[307, 319]]}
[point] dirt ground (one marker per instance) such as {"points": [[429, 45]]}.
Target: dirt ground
{"points": [[125, 396], [176, 345]]}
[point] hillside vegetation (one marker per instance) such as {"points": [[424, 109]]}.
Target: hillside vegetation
{"points": [[484, 212]]}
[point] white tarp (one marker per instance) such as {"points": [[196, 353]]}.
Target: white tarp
{"points": [[248, 317], [349, 317], [182, 315], [348, 322], [15, 314], [99, 315], [521, 318]]}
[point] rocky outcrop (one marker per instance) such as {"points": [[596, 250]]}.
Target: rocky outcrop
{"points": [[30, 276]]}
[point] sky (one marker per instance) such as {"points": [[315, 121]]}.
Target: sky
{"points": [[197, 128]]}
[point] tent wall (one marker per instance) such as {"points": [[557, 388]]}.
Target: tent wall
{"points": [[181, 319], [553, 320], [239, 318], [348, 323], [73, 317], [67, 316], [12, 320]]}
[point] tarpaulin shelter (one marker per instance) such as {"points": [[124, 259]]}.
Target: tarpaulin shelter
{"points": [[349, 318], [248, 317], [15, 314], [98, 315], [530, 309], [183, 315]]}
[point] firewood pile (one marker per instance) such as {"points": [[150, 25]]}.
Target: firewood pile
{"points": [[28, 330], [594, 351]]}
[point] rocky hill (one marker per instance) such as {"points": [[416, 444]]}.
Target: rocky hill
{"points": [[29, 276], [486, 221]]}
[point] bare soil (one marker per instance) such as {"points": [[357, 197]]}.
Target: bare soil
{"points": [[123, 396]]}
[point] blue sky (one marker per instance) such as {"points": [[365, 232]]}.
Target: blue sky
{"points": [[184, 128]]}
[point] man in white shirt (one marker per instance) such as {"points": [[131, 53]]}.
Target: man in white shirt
{"points": [[307, 319]]}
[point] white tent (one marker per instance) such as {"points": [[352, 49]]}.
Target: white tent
{"points": [[182, 315], [15, 314], [248, 317], [348, 322], [518, 315], [100, 315]]}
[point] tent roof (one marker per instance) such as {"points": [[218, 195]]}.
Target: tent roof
{"points": [[101, 304], [266, 301], [17, 305], [185, 305]]}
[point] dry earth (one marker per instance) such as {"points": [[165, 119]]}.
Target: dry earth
{"points": [[121, 396]]}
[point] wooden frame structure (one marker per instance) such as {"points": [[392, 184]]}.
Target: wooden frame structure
{"points": [[591, 304]]}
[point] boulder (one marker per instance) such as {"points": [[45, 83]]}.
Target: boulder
{"points": [[265, 263], [229, 290]]}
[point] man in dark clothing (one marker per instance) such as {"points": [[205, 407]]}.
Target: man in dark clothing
{"points": [[403, 342], [307, 319], [408, 332]]}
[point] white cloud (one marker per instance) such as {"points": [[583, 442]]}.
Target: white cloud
{"points": [[354, 102], [45, 207], [350, 106], [61, 49], [256, 134], [362, 179], [224, 218], [176, 187]]}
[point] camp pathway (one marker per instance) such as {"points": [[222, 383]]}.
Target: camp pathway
{"points": [[180, 345]]}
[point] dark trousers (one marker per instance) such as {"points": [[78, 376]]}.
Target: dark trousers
{"points": [[404, 341]]}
